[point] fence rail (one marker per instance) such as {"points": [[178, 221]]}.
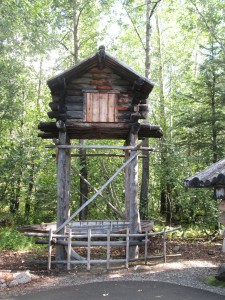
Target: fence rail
{"points": [[88, 242]]}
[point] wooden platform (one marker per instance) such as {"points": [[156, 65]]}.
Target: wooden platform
{"points": [[81, 227]]}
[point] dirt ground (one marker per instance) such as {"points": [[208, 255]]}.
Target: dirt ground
{"points": [[188, 250]]}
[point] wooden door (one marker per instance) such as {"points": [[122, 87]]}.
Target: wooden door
{"points": [[101, 107]]}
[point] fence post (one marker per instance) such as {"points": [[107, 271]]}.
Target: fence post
{"points": [[146, 246], [127, 247], [89, 250], [164, 245], [69, 249], [108, 249], [50, 249]]}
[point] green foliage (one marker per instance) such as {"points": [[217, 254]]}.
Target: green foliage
{"points": [[187, 64], [10, 239], [211, 280]]}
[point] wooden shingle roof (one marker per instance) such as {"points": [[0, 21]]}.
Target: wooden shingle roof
{"points": [[213, 176]]}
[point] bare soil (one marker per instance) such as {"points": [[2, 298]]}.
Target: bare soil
{"points": [[183, 250]]}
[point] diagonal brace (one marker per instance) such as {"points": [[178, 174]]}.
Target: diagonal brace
{"points": [[97, 193]]}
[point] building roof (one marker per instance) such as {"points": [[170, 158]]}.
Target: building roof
{"points": [[109, 61], [213, 176]]}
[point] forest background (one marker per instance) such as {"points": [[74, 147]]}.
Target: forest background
{"points": [[178, 44]]}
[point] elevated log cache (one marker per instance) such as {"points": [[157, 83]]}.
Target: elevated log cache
{"points": [[99, 100]]}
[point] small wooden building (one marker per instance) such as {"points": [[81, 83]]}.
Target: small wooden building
{"points": [[98, 98]]}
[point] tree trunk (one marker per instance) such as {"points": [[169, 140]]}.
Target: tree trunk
{"points": [[83, 160], [145, 143]]}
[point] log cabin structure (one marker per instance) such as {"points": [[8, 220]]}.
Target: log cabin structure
{"points": [[98, 98], [212, 177]]}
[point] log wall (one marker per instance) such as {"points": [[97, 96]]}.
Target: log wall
{"points": [[95, 80]]}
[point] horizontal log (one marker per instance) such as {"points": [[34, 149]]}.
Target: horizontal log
{"points": [[78, 129], [69, 106], [104, 87], [74, 92], [101, 147], [68, 99], [101, 155], [80, 86], [100, 82], [124, 107], [99, 243], [124, 115], [105, 76], [121, 82], [104, 70], [123, 100], [67, 115]]}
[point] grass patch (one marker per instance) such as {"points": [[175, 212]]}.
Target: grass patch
{"points": [[11, 239], [211, 280]]}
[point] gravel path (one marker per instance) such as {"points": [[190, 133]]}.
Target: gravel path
{"points": [[185, 273]]}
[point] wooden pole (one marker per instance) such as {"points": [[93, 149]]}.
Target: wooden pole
{"points": [[127, 247], [89, 250], [63, 189], [127, 184], [135, 224], [69, 240], [108, 249], [49, 249], [136, 147], [146, 247]]}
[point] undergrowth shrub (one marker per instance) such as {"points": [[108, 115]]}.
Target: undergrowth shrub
{"points": [[10, 239]]}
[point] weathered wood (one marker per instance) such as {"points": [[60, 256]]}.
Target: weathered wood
{"points": [[69, 240], [97, 193], [71, 106], [127, 181], [67, 115], [212, 176], [100, 155], [49, 249], [146, 246], [135, 226], [97, 70], [63, 189], [89, 250], [127, 247], [164, 245], [136, 147], [108, 249]]}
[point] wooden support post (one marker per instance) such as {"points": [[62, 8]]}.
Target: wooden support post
{"points": [[69, 240], [49, 249], [127, 247], [146, 246], [108, 249], [223, 246], [164, 245], [127, 184], [89, 250], [135, 224], [63, 186]]}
